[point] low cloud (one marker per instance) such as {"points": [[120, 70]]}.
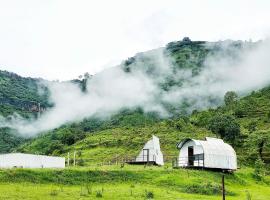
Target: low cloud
{"points": [[109, 91]]}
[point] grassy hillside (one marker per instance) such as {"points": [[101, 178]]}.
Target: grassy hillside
{"points": [[130, 182]]}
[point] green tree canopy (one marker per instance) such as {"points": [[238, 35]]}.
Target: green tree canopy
{"points": [[230, 97], [225, 126]]}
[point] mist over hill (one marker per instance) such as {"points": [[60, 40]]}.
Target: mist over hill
{"points": [[173, 80]]}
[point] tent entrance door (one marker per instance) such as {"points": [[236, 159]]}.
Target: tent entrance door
{"points": [[190, 156], [146, 155]]}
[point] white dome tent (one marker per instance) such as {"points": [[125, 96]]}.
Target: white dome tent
{"points": [[150, 153], [209, 153]]}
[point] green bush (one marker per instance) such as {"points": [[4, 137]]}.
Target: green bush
{"points": [[149, 195], [248, 195], [99, 194], [54, 192], [80, 162], [259, 170], [206, 189]]}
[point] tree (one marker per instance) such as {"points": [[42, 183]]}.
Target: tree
{"points": [[230, 97], [259, 169], [268, 116], [55, 145], [202, 118], [186, 39], [86, 77], [252, 126], [225, 126]]}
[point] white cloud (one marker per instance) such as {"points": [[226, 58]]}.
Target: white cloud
{"points": [[60, 39]]}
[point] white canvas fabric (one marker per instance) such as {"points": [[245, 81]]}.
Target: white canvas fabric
{"points": [[155, 155], [217, 153], [21, 160]]}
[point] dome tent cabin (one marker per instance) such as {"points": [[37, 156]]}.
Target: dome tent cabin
{"points": [[150, 153], [22, 160], [210, 153]]}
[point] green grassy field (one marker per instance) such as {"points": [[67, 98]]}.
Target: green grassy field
{"points": [[129, 182]]}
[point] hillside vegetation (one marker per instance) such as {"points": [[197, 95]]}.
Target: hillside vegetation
{"points": [[244, 122], [19, 96], [240, 121], [129, 182]]}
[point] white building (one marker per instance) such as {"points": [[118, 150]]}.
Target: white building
{"points": [[21, 160], [209, 153], [151, 153]]}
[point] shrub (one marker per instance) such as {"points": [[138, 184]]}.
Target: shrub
{"points": [[85, 190], [268, 115], [248, 195], [149, 195], [99, 194], [80, 162], [259, 170], [53, 192], [206, 189], [202, 119], [180, 124], [88, 188], [252, 126], [239, 112]]}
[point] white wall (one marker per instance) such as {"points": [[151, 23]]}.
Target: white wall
{"points": [[183, 155], [20, 160]]}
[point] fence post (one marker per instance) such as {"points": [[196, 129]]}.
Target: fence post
{"points": [[223, 187], [68, 160], [74, 161]]}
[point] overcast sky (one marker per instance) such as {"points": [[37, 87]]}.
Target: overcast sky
{"points": [[61, 39]]}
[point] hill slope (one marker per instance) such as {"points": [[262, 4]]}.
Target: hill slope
{"points": [[179, 56], [121, 137], [21, 96], [243, 122]]}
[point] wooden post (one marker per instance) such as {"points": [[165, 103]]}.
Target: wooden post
{"points": [[223, 187], [74, 159], [68, 160]]}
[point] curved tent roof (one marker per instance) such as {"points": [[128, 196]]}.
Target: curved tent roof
{"points": [[211, 146]]}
